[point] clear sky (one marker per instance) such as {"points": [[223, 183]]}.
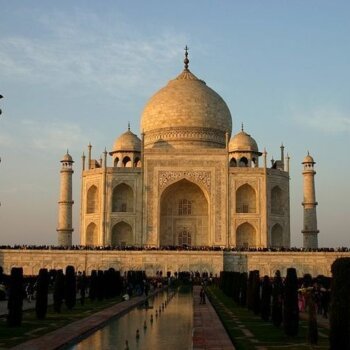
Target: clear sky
{"points": [[77, 71]]}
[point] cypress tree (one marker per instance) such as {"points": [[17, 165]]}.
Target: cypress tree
{"points": [[70, 289], [16, 295], [339, 337], [100, 285], [2, 284], [225, 282], [119, 283], [112, 283], [106, 284], [277, 299], [250, 292], [42, 291], [236, 286], [58, 291], [243, 288], [93, 285], [230, 284], [291, 309], [83, 283], [256, 292], [266, 298]]}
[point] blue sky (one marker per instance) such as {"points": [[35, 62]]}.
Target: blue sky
{"points": [[77, 72]]}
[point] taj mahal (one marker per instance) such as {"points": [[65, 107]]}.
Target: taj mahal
{"points": [[188, 194], [185, 181]]}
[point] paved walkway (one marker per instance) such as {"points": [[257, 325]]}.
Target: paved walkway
{"points": [[208, 331]]}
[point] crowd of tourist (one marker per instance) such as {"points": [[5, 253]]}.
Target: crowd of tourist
{"points": [[172, 247]]}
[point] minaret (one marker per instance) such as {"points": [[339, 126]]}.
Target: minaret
{"points": [[310, 230], [282, 157], [65, 203]]}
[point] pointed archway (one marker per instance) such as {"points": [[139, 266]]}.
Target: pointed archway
{"points": [[122, 234], [277, 236], [184, 215], [245, 236], [91, 237]]}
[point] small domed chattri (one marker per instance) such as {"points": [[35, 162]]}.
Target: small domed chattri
{"points": [[67, 158], [243, 142], [127, 141], [308, 159]]}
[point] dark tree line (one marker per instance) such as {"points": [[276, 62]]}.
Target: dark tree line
{"points": [[65, 288], [272, 300], [278, 301]]}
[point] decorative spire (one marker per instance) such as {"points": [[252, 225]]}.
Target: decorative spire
{"points": [[242, 128], [186, 60], [67, 151], [128, 126]]}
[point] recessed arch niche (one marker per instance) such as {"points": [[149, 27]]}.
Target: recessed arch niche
{"points": [[245, 236], [91, 237], [122, 234], [277, 236]]}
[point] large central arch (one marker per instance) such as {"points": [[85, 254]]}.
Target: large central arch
{"points": [[184, 208]]}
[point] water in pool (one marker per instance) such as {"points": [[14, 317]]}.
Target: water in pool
{"points": [[171, 328]]}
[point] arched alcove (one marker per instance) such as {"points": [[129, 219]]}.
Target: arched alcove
{"points": [[91, 237], [137, 162], [277, 201], [122, 234], [245, 236], [233, 162], [123, 198], [245, 199], [184, 208], [92, 200], [243, 162], [127, 162], [116, 161], [277, 236]]}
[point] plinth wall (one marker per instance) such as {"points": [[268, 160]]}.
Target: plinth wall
{"points": [[153, 261]]}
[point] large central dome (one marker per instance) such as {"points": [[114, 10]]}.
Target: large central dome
{"points": [[186, 113]]}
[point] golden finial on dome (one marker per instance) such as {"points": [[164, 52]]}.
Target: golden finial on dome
{"points": [[242, 127], [128, 126], [186, 60]]}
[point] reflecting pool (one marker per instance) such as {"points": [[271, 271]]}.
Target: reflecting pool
{"points": [[171, 328]]}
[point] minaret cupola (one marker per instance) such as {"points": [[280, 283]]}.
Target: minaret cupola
{"points": [[126, 151]]}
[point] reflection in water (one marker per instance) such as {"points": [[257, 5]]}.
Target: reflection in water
{"points": [[170, 330]]}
